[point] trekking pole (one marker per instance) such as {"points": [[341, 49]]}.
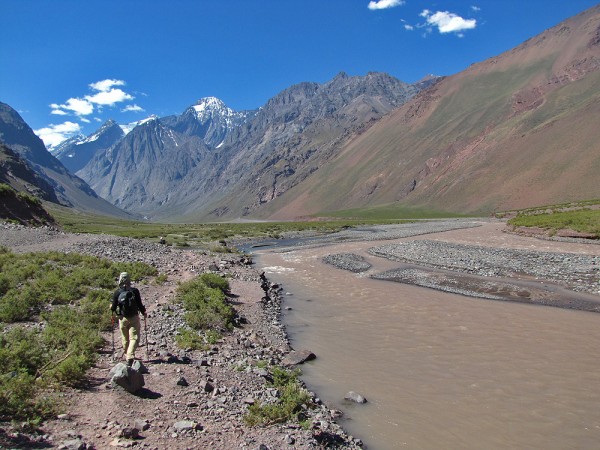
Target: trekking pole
{"points": [[146, 333], [112, 333]]}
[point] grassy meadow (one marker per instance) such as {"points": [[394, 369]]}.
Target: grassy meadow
{"points": [[581, 216]]}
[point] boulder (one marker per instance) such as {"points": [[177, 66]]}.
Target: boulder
{"points": [[354, 397], [126, 378], [298, 357]]}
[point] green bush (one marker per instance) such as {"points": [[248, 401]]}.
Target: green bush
{"points": [[215, 281], [190, 339], [292, 399], [206, 307]]}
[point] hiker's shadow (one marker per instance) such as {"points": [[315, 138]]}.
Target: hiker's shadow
{"points": [[148, 394], [231, 298]]}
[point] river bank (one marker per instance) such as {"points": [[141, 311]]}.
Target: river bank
{"points": [[209, 389]]}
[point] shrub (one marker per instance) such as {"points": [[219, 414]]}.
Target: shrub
{"points": [[190, 339], [215, 281], [293, 397], [206, 307]]}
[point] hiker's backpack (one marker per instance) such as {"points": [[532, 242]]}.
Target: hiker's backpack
{"points": [[126, 305]]}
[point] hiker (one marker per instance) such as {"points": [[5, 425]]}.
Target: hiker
{"points": [[127, 304]]}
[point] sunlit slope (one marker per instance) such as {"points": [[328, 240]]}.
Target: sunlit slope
{"points": [[516, 130]]}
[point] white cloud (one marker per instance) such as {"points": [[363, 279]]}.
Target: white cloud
{"points": [[109, 97], [447, 22], [105, 85], [77, 106], [53, 135], [475, 8], [408, 27], [57, 111], [84, 120], [106, 95], [134, 108], [384, 4]]}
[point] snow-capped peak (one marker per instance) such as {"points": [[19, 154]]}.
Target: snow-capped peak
{"points": [[210, 106], [130, 126]]}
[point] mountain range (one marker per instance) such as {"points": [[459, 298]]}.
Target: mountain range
{"points": [[517, 130]]}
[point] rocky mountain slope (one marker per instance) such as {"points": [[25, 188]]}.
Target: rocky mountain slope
{"points": [[76, 152], [212, 162], [145, 168], [15, 172], [16, 179], [69, 190], [516, 130]]}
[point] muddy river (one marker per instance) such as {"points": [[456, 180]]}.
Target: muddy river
{"points": [[442, 370]]}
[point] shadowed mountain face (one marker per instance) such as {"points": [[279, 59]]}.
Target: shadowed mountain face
{"points": [[68, 189], [15, 172], [517, 130]]}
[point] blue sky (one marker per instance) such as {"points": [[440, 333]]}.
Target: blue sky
{"points": [[69, 65]]}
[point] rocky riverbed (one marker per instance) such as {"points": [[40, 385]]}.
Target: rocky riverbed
{"points": [[561, 279], [191, 399]]}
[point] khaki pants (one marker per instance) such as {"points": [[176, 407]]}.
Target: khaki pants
{"points": [[130, 335]]}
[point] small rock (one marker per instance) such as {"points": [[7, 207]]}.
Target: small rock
{"points": [[186, 425], [206, 386], [182, 382]]}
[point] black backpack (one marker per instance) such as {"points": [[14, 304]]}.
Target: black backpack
{"points": [[126, 305]]}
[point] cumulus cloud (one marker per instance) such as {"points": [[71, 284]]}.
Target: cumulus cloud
{"points": [[384, 4], [54, 134], [106, 85], [106, 95], [109, 98], [77, 106], [447, 22], [134, 108]]}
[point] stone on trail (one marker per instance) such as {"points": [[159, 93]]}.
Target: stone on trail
{"points": [[186, 425], [127, 378], [354, 397], [181, 381]]}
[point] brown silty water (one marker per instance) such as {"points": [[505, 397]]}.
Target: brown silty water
{"points": [[442, 370]]}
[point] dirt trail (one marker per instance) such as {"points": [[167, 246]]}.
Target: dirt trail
{"points": [[210, 389]]}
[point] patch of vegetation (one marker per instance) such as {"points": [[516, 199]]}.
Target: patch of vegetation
{"points": [[582, 216], [28, 198], [161, 279], [6, 190], [292, 400], [68, 294], [205, 303], [214, 236]]}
